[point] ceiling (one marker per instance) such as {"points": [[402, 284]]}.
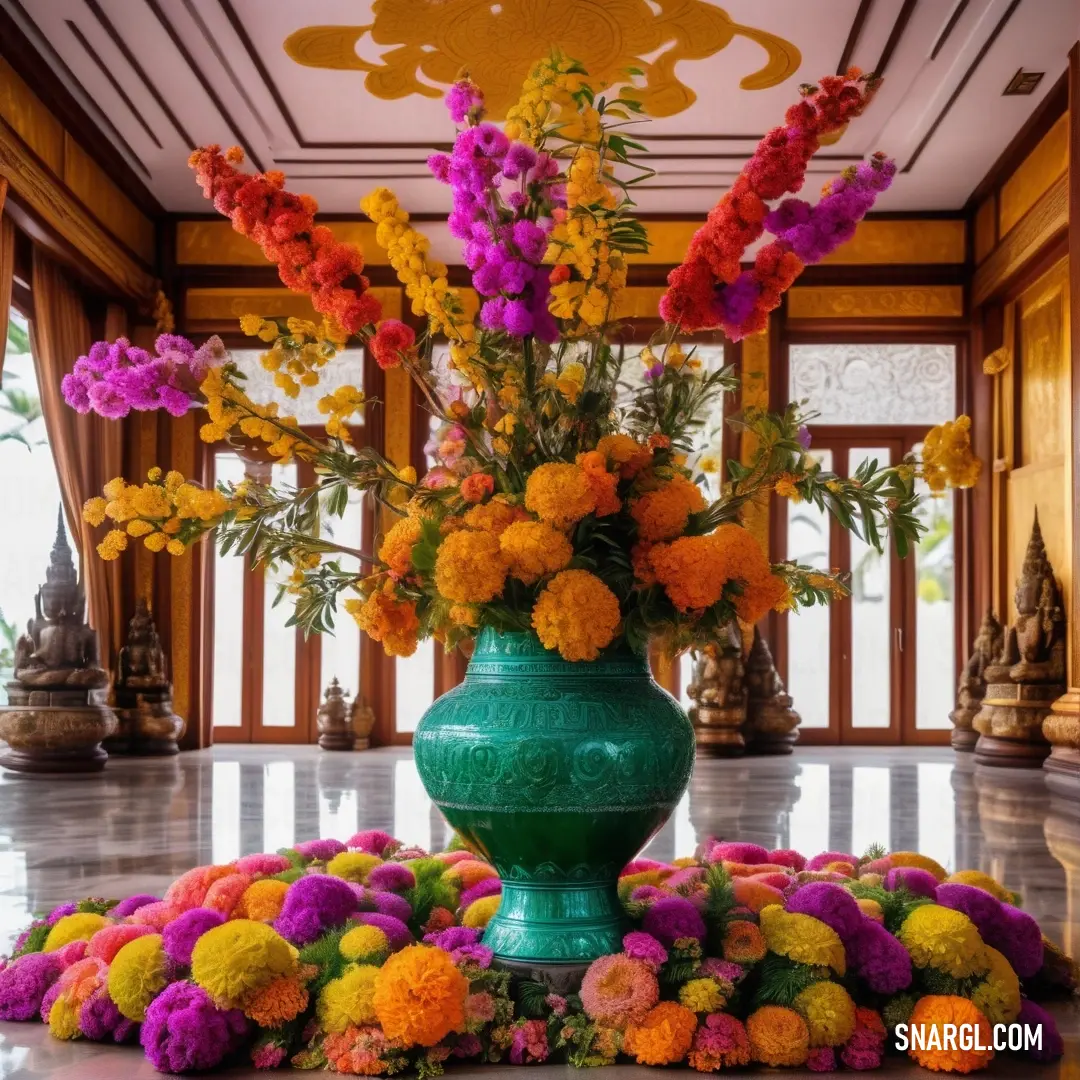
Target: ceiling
{"points": [[364, 108]]}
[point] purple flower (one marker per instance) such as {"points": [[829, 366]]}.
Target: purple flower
{"points": [[530, 240], [655, 371], [374, 842], [915, 880], [863, 1050], [714, 968], [462, 98], [514, 276], [100, 1020], [467, 1046], [519, 159], [179, 936], [830, 904], [1014, 933], [174, 343], [545, 328], [804, 437], [76, 391], [787, 215], [487, 887], [58, 913], [397, 933], [391, 877], [1036, 1019], [821, 1059], [737, 300], [322, 850], [529, 1043], [478, 955], [641, 946], [750, 854], [453, 937], [131, 904], [819, 862], [490, 141], [880, 959], [672, 918], [313, 905], [185, 1032], [24, 983], [386, 903], [487, 278], [493, 312], [105, 401], [647, 894]]}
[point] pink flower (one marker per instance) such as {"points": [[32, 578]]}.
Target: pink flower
{"points": [[479, 1008], [618, 990], [644, 947], [529, 1043]]}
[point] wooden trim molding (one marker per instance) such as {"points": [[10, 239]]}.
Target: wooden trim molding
{"points": [[875, 302], [43, 196], [1048, 217]]}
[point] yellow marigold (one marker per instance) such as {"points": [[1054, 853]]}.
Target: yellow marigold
{"points": [[175, 547], [261, 900], [984, 882], [828, 1011], [662, 514], [802, 938], [480, 912], [926, 1034], [664, 1036], [388, 620], [998, 996], [469, 568], [240, 956], [348, 999], [364, 943], [279, 1001], [64, 1017], [947, 457], [692, 569], [464, 615], [559, 493], [870, 908], [944, 939], [494, 516], [420, 996], [137, 972], [576, 614], [921, 862], [778, 1036], [81, 926], [353, 865], [115, 541], [156, 541], [93, 511], [702, 995], [533, 549]]}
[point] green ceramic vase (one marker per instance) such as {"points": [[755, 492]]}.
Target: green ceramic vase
{"points": [[558, 773]]}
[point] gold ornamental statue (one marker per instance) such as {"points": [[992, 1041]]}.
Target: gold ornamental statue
{"points": [[335, 731], [57, 714], [1030, 672], [772, 725], [143, 693], [972, 687], [718, 691]]}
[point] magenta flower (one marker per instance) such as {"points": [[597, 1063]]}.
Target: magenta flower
{"points": [[1013, 932], [397, 933], [821, 1059], [463, 98], [672, 918], [529, 1043], [751, 854], [487, 887], [644, 947], [313, 905], [391, 877], [915, 880], [24, 983], [1034, 1017], [374, 842], [185, 1032], [179, 936], [132, 904], [320, 850], [101, 1021]]}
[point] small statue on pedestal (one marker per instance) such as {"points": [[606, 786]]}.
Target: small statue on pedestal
{"points": [[335, 731], [363, 721], [972, 687], [143, 693], [771, 723], [56, 715], [719, 695], [1019, 699]]}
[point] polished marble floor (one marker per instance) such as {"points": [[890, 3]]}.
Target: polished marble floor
{"points": [[142, 822]]}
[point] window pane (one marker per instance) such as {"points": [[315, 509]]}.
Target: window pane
{"points": [[341, 649], [871, 620], [346, 369], [935, 613], [279, 640], [874, 384], [808, 630], [29, 493], [415, 685], [229, 574]]}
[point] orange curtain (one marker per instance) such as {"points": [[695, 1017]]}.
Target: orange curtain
{"points": [[7, 270], [87, 449]]}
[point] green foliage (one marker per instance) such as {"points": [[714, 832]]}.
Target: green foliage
{"points": [[289, 876], [432, 890], [93, 905], [780, 980], [294, 857], [531, 999], [325, 953], [18, 340], [35, 940], [895, 906], [719, 901]]}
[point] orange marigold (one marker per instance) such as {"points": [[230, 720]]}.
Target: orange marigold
{"points": [[262, 900], [603, 484], [397, 545], [494, 516], [664, 1036], [778, 1036], [693, 570], [533, 549], [279, 1001], [761, 590], [926, 1035], [641, 559], [628, 455], [576, 614], [559, 493], [386, 619], [469, 568], [420, 996], [744, 942], [662, 514]]}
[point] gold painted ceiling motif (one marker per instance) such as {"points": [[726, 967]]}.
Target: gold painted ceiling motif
{"points": [[498, 42]]}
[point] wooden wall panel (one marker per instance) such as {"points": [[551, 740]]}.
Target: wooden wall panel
{"points": [[1035, 175]]}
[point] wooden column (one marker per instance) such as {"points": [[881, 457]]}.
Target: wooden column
{"points": [[1064, 762]]}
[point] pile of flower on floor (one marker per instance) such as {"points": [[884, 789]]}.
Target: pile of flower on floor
{"points": [[367, 957]]}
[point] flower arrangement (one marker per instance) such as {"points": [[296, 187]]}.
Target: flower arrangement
{"points": [[735, 956], [567, 497]]}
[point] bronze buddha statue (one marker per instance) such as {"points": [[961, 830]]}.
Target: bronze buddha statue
{"points": [[771, 722], [719, 695], [972, 686]]}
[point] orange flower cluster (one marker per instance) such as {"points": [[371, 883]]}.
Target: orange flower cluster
{"points": [[388, 620], [420, 996], [310, 259], [664, 1036]]}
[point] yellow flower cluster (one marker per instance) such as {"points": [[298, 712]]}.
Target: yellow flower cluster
{"points": [[569, 382], [424, 278], [559, 493], [168, 512], [944, 939], [229, 407], [828, 1011], [469, 568], [576, 614], [947, 457], [296, 355], [339, 408], [532, 549], [999, 994], [550, 87], [802, 938], [388, 620]]}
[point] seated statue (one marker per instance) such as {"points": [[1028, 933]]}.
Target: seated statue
{"points": [[58, 649], [142, 660], [1040, 619]]}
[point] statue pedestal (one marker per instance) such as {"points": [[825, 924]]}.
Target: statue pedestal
{"points": [[1062, 730], [1010, 724], [146, 723], [718, 731], [58, 731], [963, 738]]}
